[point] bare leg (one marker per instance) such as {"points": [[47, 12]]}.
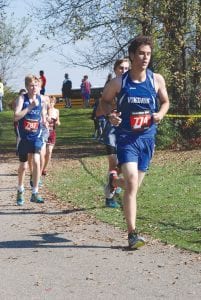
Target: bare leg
{"points": [[36, 170], [120, 181], [112, 160], [21, 173], [48, 155], [133, 179], [30, 163], [42, 157]]}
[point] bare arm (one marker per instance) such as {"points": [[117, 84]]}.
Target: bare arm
{"points": [[163, 98], [45, 107], [19, 113], [110, 91], [58, 119]]}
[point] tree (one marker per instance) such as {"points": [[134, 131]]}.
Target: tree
{"points": [[99, 22], [110, 25], [178, 47], [3, 5], [14, 47]]}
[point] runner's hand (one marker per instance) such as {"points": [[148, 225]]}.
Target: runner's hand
{"points": [[157, 117], [34, 103], [114, 118]]}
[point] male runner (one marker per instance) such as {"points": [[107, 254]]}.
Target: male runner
{"points": [[138, 91], [28, 114]]}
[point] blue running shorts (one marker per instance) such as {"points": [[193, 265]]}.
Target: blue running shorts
{"points": [[26, 146], [135, 149]]}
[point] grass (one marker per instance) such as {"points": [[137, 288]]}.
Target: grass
{"points": [[7, 136], [169, 206]]}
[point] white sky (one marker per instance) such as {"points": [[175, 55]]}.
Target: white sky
{"points": [[48, 62]]}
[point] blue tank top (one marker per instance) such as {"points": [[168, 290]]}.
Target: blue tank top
{"points": [[29, 126], [137, 102]]}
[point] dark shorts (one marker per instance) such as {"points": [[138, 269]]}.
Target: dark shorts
{"points": [[52, 137], [135, 149], [25, 147]]}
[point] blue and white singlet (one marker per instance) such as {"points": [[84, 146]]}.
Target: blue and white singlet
{"points": [[137, 102], [29, 126]]}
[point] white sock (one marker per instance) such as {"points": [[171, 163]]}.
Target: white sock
{"points": [[20, 188], [34, 190]]}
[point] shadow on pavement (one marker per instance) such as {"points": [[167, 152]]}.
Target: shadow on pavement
{"points": [[46, 241]]}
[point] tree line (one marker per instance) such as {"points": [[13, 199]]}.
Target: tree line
{"points": [[175, 26], [108, 26]]}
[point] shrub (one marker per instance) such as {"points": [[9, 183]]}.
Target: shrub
{"points": [[8, 99], [166, 134]]}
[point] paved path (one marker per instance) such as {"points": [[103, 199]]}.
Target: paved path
{"points": [[56, 252]]}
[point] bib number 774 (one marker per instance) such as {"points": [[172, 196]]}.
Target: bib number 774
{"points": [[140, 121]]}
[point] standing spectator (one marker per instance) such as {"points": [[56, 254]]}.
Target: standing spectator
{"points": [[1, 94], [82, 90], [43, 82], [67, 91], [86, 91]]}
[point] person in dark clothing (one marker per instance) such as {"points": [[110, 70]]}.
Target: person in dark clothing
{"points": [[67, 91]]}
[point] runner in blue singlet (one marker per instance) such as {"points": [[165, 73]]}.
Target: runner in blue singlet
{"points": [[109, 138], [139, 92], [28, 114]]}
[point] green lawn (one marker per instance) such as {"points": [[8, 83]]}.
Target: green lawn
{"points": [[169, 201]]}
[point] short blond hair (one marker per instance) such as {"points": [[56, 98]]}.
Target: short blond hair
{"points": [[31, 78]]}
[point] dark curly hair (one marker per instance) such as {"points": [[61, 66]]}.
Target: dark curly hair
{"points": [[138, 41]]}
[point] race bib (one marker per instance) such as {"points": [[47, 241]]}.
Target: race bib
{"points": [[31, 125], [140, 121]]}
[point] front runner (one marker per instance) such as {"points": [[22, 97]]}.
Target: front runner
{"points": [[136, 119], [28, 114]]}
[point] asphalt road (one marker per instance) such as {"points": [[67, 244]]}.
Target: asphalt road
{"points": [[54, 251]]}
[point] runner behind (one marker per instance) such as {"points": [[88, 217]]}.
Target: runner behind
{"points": [[53, 120]]}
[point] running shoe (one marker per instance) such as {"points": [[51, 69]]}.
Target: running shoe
{"points": [[118, 190], [109, 188], [111, 203], [20, 198], [135, 241], [36, 198]]}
